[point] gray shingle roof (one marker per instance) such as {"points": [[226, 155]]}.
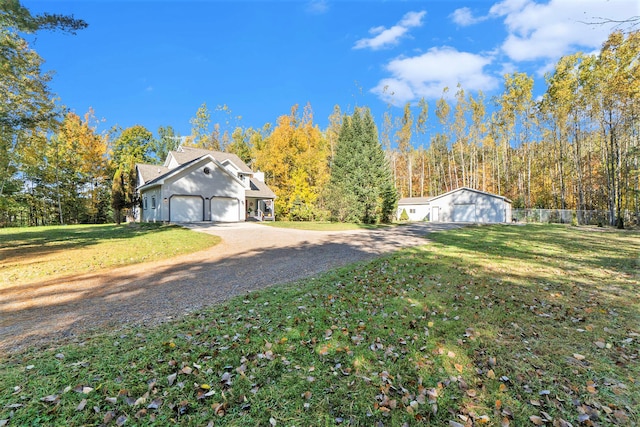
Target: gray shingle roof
{"points": [[187, 154], [150, 172], [414, 200], [259, 189]]}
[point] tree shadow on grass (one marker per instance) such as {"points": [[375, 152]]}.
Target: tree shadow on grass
{"points": [[151, 293]]}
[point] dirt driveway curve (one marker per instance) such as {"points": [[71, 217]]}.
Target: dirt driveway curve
{"points": [[251, 256]]}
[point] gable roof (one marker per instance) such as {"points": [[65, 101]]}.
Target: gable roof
{"points": [[414, 201], [259, 189], [150, 172], [474, 191], [187, 154], [159, 180]]}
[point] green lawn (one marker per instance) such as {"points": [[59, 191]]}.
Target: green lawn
{"points": [[494, 325], [324, 226], [34, 253]]}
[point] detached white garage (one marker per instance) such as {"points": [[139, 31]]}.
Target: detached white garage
{"points": [[469, 205]]}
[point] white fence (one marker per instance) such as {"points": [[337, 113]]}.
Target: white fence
{"points": [[569, 216]]}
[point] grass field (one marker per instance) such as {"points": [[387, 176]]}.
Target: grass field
{"points": [[324, 226], [495, 325], [33, 253]]}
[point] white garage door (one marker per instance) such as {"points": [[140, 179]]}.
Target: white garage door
{"points": [[186, 209], [464, 213], [224, 209]]}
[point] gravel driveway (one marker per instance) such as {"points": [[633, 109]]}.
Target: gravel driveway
{"points": [[251, 256]]}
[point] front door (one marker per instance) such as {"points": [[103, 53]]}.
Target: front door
{"points": [[435, 214]]}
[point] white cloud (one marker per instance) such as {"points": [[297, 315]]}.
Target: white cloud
{"points": [[390, 36], [464, 17], [550, 30], [428, 74], [318, 7]]}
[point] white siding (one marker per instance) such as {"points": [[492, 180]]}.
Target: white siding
{"points": [[465, 205], [216, 183], [416, 212], [152, 205], [464, 212], [225, 209]]}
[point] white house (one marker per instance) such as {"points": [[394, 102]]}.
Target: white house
{"points": [[417, 208], [461, 205], [202, 185]]}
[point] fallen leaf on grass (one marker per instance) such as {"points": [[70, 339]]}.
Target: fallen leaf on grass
{"points": [[108, 417], [155, 404], [83, 389], [52, 398], [621, 416], [171, 379], [482, 419], [81, 405], [536, 420], [225, 379]]}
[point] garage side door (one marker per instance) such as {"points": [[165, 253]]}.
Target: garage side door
{"points": [[464, 213], [224, 209], [186, 209]]}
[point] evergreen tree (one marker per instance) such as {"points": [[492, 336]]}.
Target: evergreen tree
{"points": [[361, 186], [118, 198]]}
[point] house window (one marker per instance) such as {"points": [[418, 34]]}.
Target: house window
{"points": [[145, 204], [206, 171], [412, 211], [153, 202]]}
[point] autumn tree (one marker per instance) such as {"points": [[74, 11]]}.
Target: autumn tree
{"points": [[241, 144], [77, 157], [132, 146], [405, 149], [201, 137], [26, 105], [166, 141], [616, 79], [294, 159]]}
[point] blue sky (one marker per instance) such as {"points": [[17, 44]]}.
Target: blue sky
{"points": [[154, 63]]}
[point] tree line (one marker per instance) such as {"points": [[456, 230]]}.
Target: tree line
{"points": [[575, 147]]}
